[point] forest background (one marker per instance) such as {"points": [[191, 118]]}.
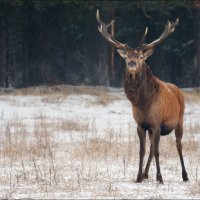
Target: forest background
{"points": [[57, 42]]}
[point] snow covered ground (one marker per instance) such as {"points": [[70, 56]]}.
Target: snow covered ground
{"points": [[81, 142]]}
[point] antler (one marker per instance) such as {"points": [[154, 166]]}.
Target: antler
{"points": [[143, 37], [104, 32], [170, 27]]}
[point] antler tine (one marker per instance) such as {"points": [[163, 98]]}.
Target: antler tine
{"points": [[143, 37], [170, 27], [112, 22], [103, 30]]}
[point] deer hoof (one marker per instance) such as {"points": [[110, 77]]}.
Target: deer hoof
{"points": [[185, 176], [139, 179], [159, 179], [145, 176]]}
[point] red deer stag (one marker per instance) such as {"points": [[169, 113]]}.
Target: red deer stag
{"points": [[157, 107]]}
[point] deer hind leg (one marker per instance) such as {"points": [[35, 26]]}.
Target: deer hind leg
{"points": [[142, 139], [179, 135], [156, 140], [146, 172]]}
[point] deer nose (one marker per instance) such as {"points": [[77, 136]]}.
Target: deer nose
{"points": [[132, 64]]}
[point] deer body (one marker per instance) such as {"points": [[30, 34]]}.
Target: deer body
{"points": [[157, 107], [152, 102]]}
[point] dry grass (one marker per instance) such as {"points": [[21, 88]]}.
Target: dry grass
{"points": [[34, 158], [28, 157], [60, 93], [57, 93], [60, 124], [192, 96], [60, 89], [19, 143], [36, 162], [101, 149]]}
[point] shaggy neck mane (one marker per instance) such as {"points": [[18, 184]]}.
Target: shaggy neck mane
{"points": [[142, 89]]}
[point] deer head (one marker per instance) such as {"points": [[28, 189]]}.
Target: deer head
{"points": [[135, 58]]}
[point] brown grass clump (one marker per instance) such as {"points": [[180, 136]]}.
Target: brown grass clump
{"points": [[111, 146], [192, 96], [28, 154], [72, 125], [61, 124], [102, 149], [19, 143], [56, 94], [63, 89], [105, 99]]}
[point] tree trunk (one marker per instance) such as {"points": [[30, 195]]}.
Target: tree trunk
{"points": [[7, 67], [102, 69], [112, 50], [196, 15]]}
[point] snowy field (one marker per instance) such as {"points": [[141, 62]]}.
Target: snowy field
{"points": [[81, 142]]}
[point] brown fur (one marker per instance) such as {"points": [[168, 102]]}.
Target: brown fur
{"points": [[141, 87], [152, 100]]}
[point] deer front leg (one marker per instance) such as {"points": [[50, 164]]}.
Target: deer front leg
{"points": [[156, 140], [151, 154], [142, 139]]}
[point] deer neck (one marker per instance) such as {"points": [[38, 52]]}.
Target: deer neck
{"points": [[141, 89]]}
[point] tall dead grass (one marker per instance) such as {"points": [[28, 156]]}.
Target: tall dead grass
{"points": [[34, 156], [192, 96], [47, 158], [60, 93]]}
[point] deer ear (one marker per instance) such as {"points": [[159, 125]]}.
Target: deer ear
{"points": [[148, 53], [121, 52]]}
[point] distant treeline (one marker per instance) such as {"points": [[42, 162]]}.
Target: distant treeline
{"points": [[57, 42]]}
